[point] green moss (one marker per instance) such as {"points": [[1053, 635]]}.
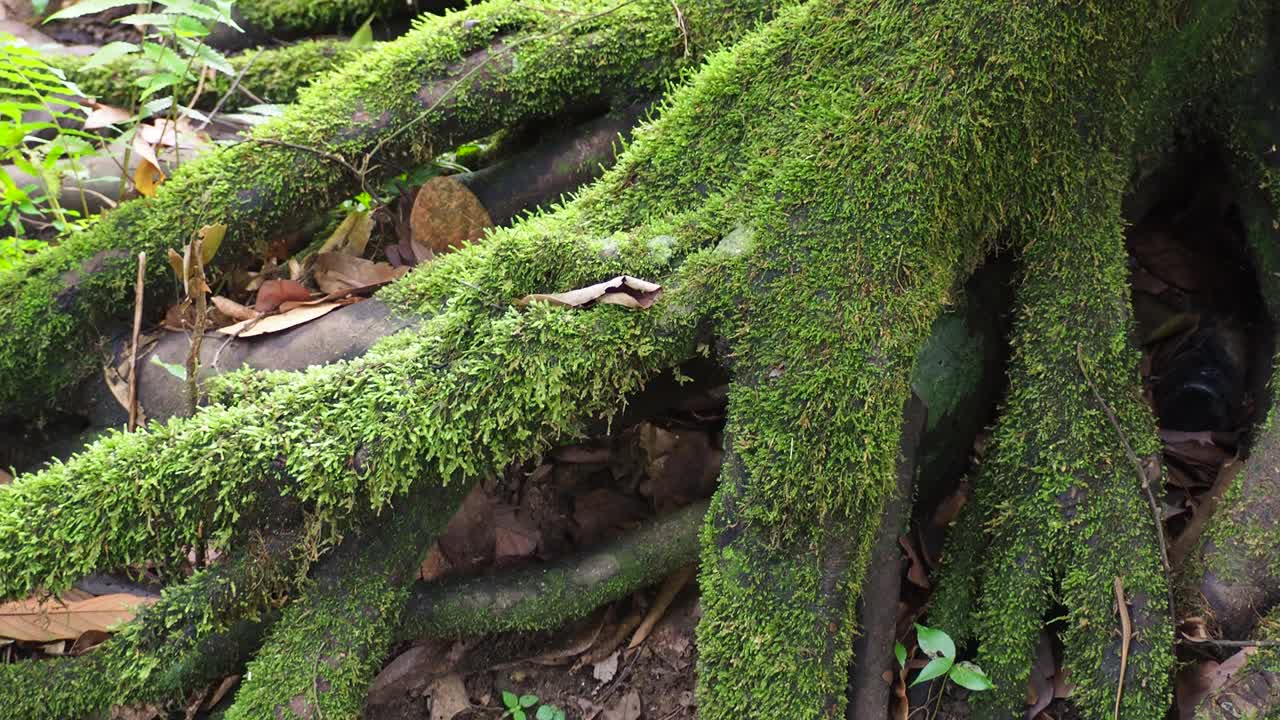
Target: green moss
{"points": [[293, 18], [331, 640], [275, 75], [198, 632], [402, 98]]}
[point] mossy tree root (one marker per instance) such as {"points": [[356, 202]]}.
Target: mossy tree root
{"points": [[264, 20], [158, 662], [198, 632], [544, 597], [273, 75], [1058, 494], [451, 79], [320, 657]]}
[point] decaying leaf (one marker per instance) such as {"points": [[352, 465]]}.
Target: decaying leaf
{"points": [[275, 323], [233, 309], [53, 620], [626, 708], [336, 272], [622, 290], [446, 215], [101, 116], [448, 697], [274, 293]]}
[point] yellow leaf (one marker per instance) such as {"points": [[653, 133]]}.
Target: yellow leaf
{"points": [[210, 240], [146, 177]]}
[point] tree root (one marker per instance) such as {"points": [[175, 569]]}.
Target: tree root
{"points": [[546, 597], [198, 632], [319, 658], [821, 218], [452, 79], [272, 75]]}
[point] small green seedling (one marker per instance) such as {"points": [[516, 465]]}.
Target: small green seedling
{"points": [[517, 705], [941, 651]]}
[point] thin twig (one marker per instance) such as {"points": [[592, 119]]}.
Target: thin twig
{"points": [[684, 28], [133, 348], [314, 151], [1126, 632], [230, 91], [1228, 643], [1137, 467]]}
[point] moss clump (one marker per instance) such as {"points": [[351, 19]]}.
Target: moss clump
{"points": [[408, 99], [275, 75]]}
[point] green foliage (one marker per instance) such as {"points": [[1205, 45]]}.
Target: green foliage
{"points": [[938, 646], [172, 52], [518, 705], [33, 140]]}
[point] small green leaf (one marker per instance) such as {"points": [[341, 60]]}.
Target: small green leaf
{"points": [[528, 700], [518, 714], [546, 712], [109, 52], [900, 652], [936, 668], [970, 676], [508, 698], [935, 643], [175, 370], [559, 715], [88, 7], [363, 37]]}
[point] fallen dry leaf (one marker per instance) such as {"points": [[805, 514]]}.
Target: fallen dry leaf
{"points": [[448, 697], [446, 215], [622, 290], [336, 272], [34, 621], [434, 565], [514, 537], [468, 539], [101, 116], [275, 292], [626, 708], [604, 670], [671, 587], [233, 309], [228, 684], [275, 323]]}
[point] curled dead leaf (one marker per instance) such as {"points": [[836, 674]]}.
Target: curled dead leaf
{"points": [[147, 178], [233, 309], [621, 290]]}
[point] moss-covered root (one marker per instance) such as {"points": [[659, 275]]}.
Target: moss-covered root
{"points": [[264, 20], [465, 393], [273, 75], [331, 640], [451, 79], [1058, 493], [197, 632], [547, 597]]}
